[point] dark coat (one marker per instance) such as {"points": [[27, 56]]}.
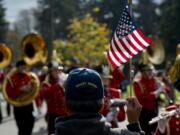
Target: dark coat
{"points": [[91, 124]]}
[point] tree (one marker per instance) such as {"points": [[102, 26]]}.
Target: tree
{"points": [[145, 12], [87, 40], [109, 11], [3, 22], [105, 11], [13, 41], [24, 23], [52, 17], [169, 25]]}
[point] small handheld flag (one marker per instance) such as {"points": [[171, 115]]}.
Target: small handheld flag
{"points": [[127, 41]]}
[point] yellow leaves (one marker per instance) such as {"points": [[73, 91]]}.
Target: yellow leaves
{"points": [[88, 39], [96, 9]]}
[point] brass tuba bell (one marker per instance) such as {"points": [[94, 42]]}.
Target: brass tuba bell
{"points": [[5, 56], [23, 98], [178, 49], [33, 49], [174, 73], [155, 53]]}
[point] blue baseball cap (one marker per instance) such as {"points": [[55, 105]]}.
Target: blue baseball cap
{"points": [[83, 84]]}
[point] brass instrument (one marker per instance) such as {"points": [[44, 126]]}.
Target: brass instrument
{"points": [[5, 56], [174, 73], [155, 53], [24, 98], [178, 49], [33, 49]]}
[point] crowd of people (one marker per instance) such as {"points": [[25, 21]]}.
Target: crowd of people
{"points": [[78, 99]]}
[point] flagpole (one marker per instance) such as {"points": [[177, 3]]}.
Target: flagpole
{"points": [[131, 72], [130, 6], [130, 1]]}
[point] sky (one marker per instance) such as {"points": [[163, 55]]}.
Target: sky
{"points": [[14, 6]]}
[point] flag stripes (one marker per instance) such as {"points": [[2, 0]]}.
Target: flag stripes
{"points": [[123, 49]]}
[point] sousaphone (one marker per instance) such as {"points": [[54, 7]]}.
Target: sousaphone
{"points": [[174, 73], [33, 49], [20, 98], [5, 55], [178, 49], [155, 53]]}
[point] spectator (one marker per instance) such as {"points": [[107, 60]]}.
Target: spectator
{"points": [[84, 100]]}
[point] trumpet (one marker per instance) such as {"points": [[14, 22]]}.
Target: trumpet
{"points": [[164, 115]]}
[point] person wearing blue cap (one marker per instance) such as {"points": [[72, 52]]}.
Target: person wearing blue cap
{"points": [[84, 94]]}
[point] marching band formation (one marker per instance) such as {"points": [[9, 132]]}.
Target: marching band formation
{"points": [[21, 87]]}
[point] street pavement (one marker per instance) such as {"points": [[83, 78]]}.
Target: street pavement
{"points": [[8, 125]]}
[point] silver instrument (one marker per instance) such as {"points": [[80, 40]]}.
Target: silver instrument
{"points": [[163, 115], [118, 102]]}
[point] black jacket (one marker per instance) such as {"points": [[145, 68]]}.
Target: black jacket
{"points": [[91, 124]]}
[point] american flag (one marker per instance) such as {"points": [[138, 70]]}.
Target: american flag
{"points": [[127, 41]]}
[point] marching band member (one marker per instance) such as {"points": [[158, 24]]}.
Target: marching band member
{"points": [[3, 73], [53, 92], [171, 126], [117, 78], [18, 84], [168, 82], [6, 71], [43, 73], [42, 76], [147, 91], [113, 114]]}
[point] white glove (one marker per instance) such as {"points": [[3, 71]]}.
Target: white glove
{"points": [[158, 91], [162, 125], [109, 116], [112, 115]]}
